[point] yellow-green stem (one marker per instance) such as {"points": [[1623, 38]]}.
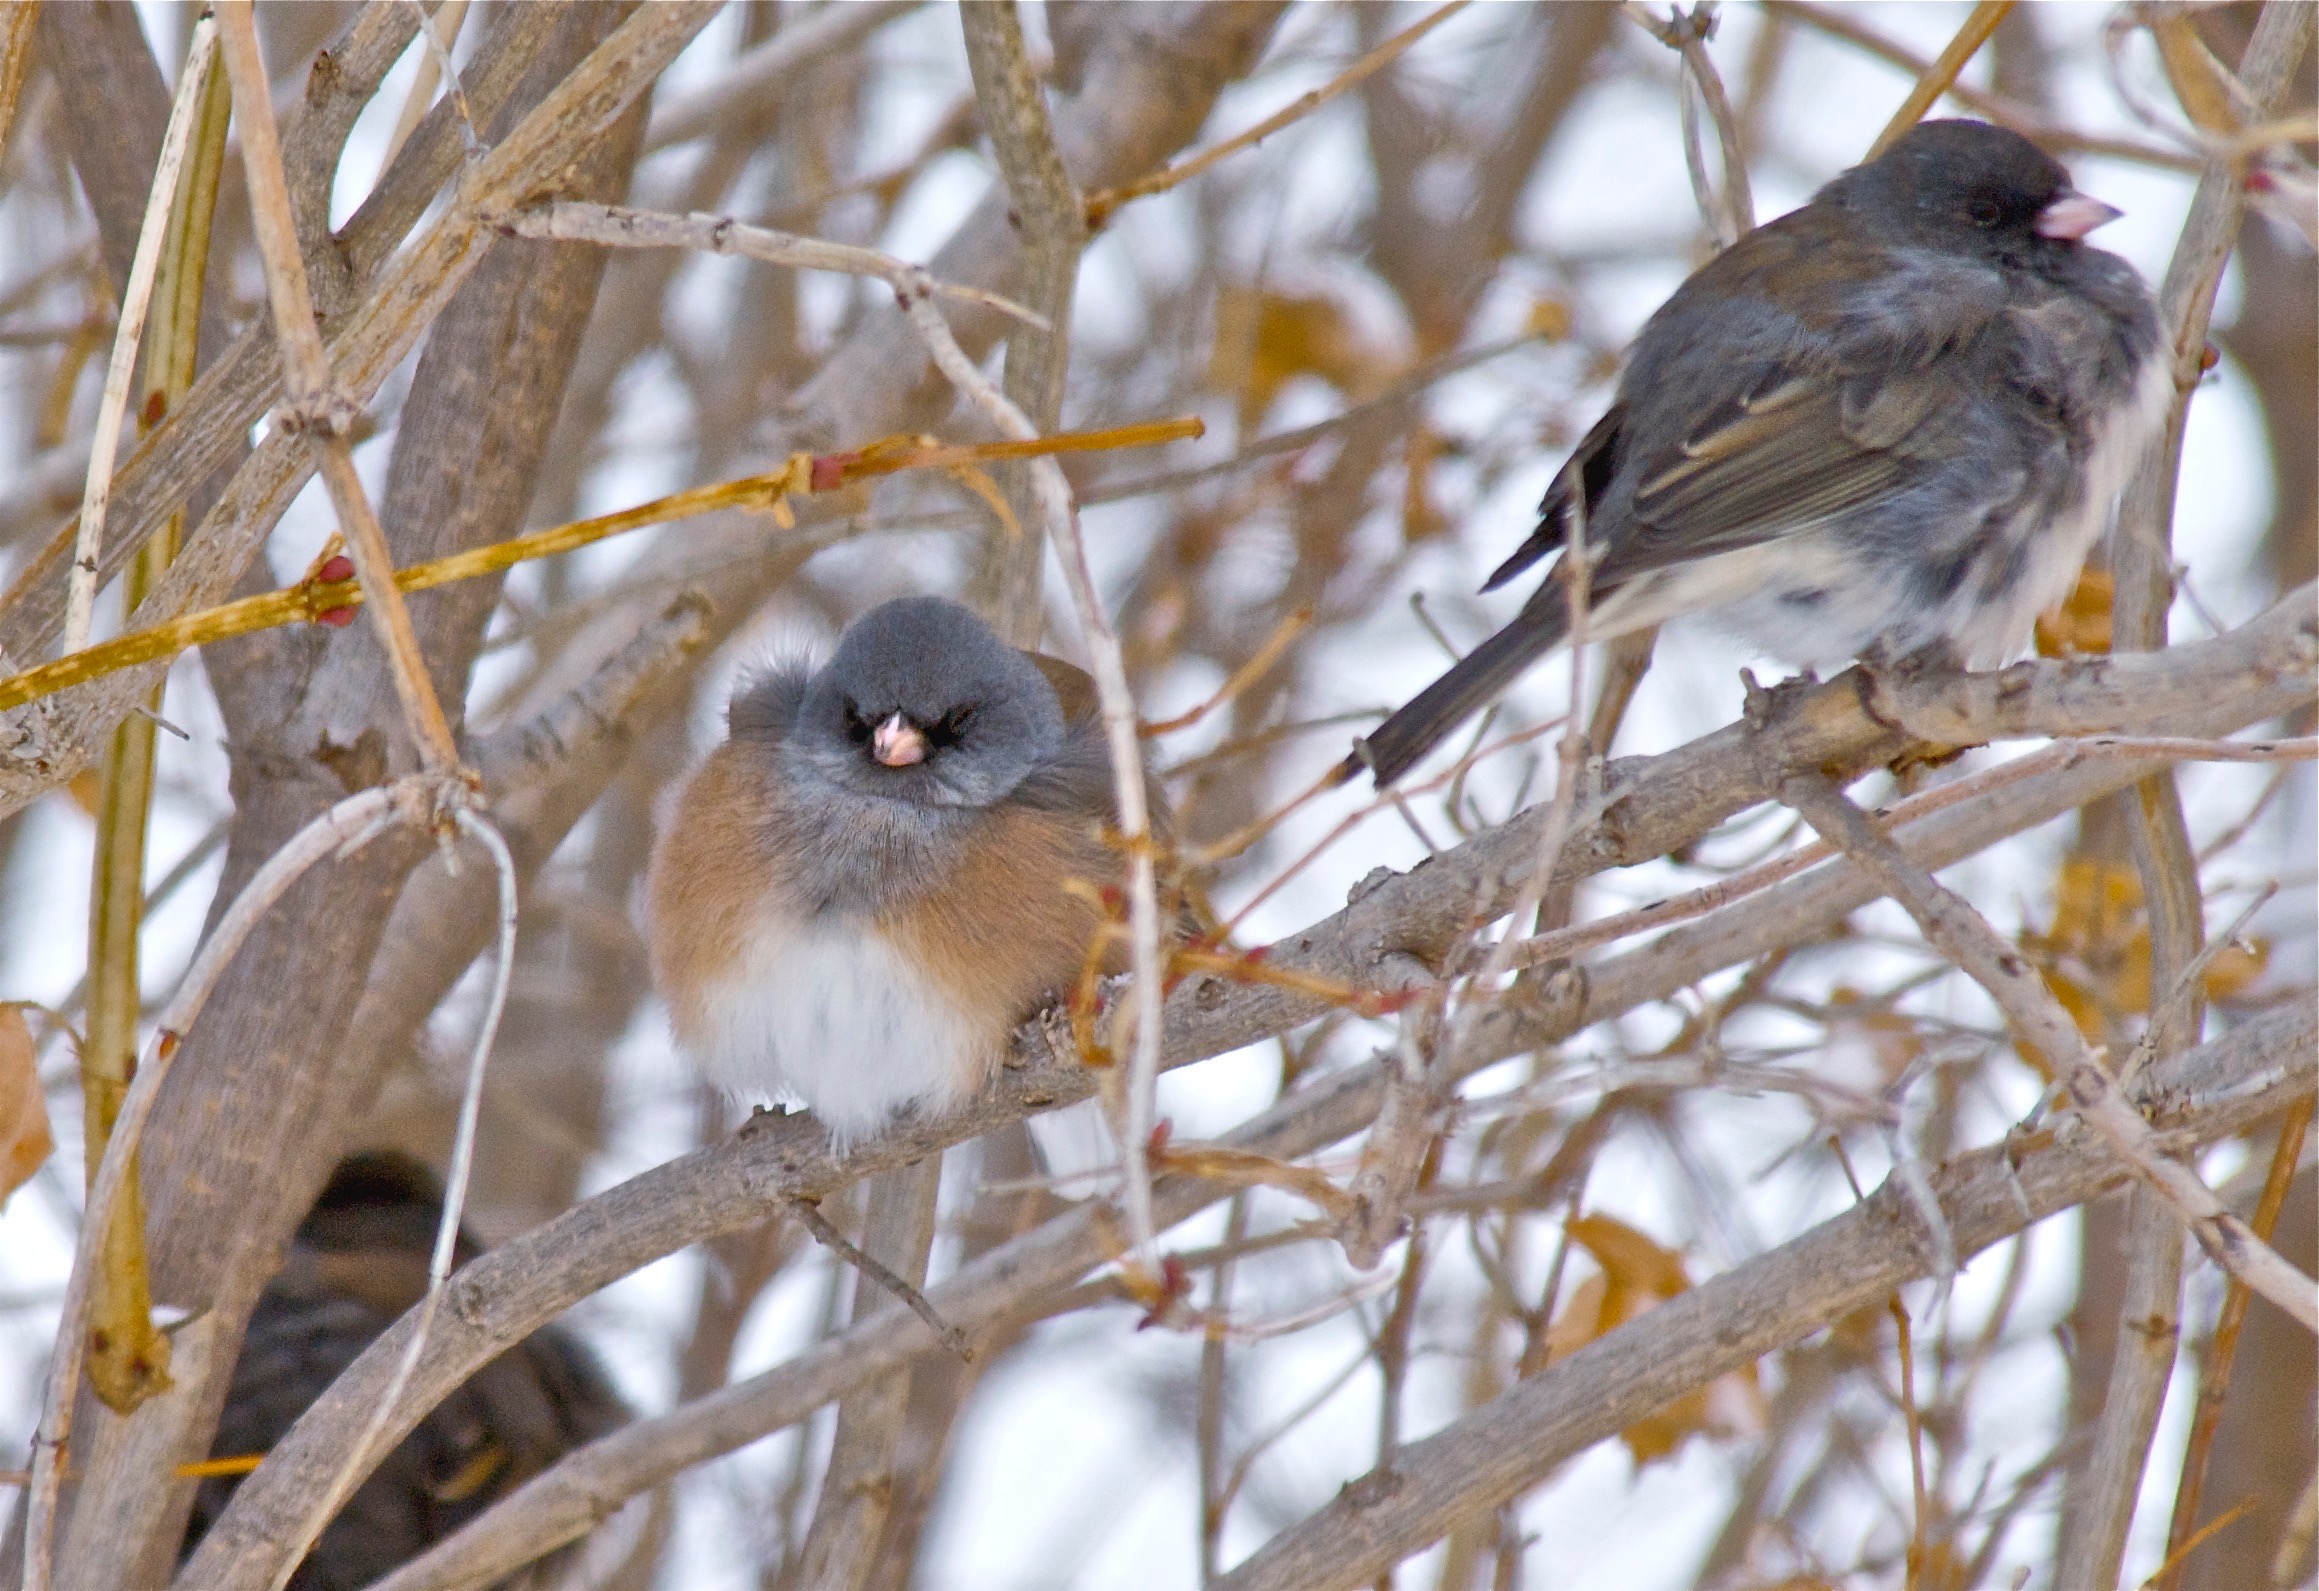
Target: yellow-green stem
{"points": [[129, 1359]]}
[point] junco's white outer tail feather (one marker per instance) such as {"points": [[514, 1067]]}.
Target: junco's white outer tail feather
{"points": [[862, 933], [1895, 420]]}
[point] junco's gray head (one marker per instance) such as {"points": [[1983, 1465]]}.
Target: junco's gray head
{"points": [[923, 703], [1973, 187]]}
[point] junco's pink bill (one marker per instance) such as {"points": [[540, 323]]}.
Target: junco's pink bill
{"points": [[1890, 423], [884, 869]]}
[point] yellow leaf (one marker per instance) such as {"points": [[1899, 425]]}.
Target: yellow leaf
{"points": [[1638, 1274], [1641, 1271], [2096, 956], [25, 1141], [1420, 519], [1549, 319], [1580, 1321], [1264, 340], [2080, 622]]}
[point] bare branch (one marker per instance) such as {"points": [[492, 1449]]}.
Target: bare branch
{"points": [[1723, 1324], [1939, 77], [808, 1211], [314, 407], [1380, 938], [81, 594], [1966, 939], [616, 226]]}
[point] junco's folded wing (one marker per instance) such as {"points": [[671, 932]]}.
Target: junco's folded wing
{"points": [[1587, 471], [1809, 450]]}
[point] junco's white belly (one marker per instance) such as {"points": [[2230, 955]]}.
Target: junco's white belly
{"points": [[830, 1014]]}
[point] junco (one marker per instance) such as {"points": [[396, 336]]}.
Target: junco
{"points": [[861, 892], [358, 1261], [1891, 422]]}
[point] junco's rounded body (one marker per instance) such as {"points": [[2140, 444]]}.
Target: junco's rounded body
{"points": [[1892, 421], [871, 882]]}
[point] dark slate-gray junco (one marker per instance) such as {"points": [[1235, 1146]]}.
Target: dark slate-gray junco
{"points": [[1892, 422], [359, 1260], [885, 868]]}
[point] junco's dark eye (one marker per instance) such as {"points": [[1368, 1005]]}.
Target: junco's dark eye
{"points": [[1984, 212], [857, 728]]}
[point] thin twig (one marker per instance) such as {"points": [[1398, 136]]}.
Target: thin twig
{"points": [[1731, 214], [358, 1459], [320, 600], [311, 403], [441, 31], [756, 81], [1539, 949], [1142, 1008], [129, 1356], [1847, 28], [1101, 205], [137, 298], [341, 831], [16, 23], [1919, 1519], [2222, 1355], [1258, 665], [1966, 939], [617, 226], [1942, 74], [808, 1213]]}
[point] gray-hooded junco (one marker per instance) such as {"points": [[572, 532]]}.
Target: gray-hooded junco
{"points": [[884, 868], [1891, 422], [358, 1262]]}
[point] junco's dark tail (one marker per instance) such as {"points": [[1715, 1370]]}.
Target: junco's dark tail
{"points": [[1396, 745]]}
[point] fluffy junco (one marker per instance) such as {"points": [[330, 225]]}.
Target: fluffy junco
{"points": [[1891, 422], [358, 1261], [871, 882]]}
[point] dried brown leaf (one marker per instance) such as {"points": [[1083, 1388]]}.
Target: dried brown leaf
{"points": [[25, 1139], [1637, 1275], [2080, 623]]}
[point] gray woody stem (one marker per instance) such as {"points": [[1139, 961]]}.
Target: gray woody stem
{"points": [[1728, 1322], [1379, 940], [1053, 226], [1964, 936], [2106, 1485]]}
